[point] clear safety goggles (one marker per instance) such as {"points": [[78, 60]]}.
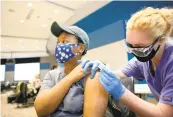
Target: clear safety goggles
{"points": [[140, 51]]}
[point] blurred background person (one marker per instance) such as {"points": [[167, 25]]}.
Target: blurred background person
{"points": [[21, 94], [54, 67], [36, 83]]}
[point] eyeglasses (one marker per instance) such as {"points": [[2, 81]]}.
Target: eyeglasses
{"points": [[141, 51]]}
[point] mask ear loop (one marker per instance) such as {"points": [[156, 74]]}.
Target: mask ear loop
{"points": [[75, 50], [157, 41]]}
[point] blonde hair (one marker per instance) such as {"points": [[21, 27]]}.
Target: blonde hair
{"points": [[155, 20]]}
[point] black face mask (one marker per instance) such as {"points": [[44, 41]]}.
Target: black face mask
{"points": [[149, 57]]}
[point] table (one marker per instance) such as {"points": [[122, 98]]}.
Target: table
{"points": [[142, 90]]}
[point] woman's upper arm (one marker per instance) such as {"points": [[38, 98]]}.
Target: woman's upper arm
{"points": [[95, 97]]}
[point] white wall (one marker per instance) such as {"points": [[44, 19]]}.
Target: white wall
{"points": [[9, 76], [113, 54], [51, 60]]}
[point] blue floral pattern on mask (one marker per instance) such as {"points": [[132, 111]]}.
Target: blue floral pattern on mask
{"points": [[64, 53]]}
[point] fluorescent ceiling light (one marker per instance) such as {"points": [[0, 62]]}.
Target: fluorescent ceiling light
{"points": [[56, 11], [43, 25], [29, 4], [22, 21]]}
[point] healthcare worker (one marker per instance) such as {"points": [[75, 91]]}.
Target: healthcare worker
{"points": [[148, 39]]}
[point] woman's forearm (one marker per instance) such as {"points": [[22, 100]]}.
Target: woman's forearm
{"points": [[139, 106], [49, 99]]}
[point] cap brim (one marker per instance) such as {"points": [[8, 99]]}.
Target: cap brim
{"points": [[56, 29]]}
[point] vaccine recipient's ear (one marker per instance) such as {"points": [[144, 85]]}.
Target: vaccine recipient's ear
{"points": [[82, 48], [79, 49]]}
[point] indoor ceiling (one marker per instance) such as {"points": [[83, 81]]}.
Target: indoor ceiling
{"points": [[25, 25]]}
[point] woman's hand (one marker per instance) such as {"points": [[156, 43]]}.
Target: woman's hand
{"points": [[92, 65], [77, 73]]}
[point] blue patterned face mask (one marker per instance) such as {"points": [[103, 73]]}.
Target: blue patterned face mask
{"points": [[64, 53]]}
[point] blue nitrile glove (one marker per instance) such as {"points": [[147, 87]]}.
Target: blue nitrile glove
{"points": [[87, 64], [111, 83]]}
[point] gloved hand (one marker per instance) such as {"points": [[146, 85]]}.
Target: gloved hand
{"points": [[87, 64], [111, 83]]}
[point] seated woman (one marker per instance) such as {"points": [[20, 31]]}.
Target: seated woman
{"points": [[64, 89]]}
